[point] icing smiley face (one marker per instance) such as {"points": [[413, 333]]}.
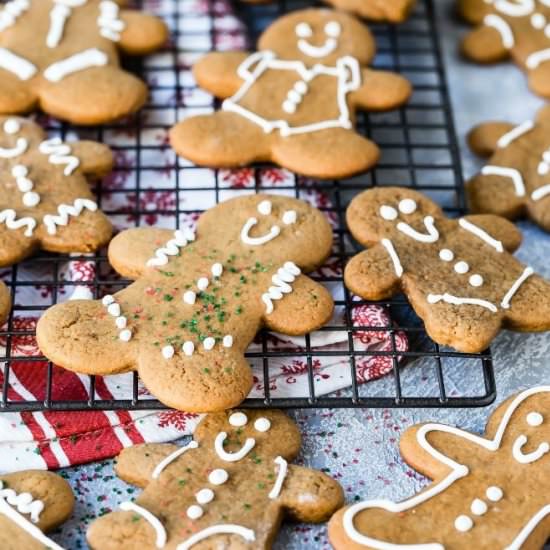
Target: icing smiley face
{"points": [[304, 33], [289, 217], [533, 419]]}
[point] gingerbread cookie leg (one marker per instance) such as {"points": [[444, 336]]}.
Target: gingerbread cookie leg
{"points": [[485, 45], [15, 95], [381, 91]]}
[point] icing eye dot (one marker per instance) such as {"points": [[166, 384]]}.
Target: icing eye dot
{"points": [[218, 477], [194, 512], [264, 208], [333, 29], [388, 212], [407, 206], [238, 420], [462, 267], [289, 217], [12, 126], [262, 424], [204, 496], [538, 21], [534, 419], [446, 255], [303, 30], [494, 494], [476, 280]]}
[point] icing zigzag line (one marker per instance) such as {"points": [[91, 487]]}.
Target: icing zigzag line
{"points": [[66, 210], [9, 217]]}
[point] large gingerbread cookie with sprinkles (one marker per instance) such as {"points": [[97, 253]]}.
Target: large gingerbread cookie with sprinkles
{"points": [[458, 274], [228, 488], [516, 180], [517, 29], [32, 503], [487, 492], [293, 102], [45, 197], [198, 301], [63, 56]]}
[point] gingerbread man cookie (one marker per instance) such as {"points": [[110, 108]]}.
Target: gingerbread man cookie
{"points": [[45, 199], [32, 503], [393, 11], [228, 488], [62, 55], [488, 491], [458, 275], [293, 102], [516, 180], [198, 302], [519, 29]]}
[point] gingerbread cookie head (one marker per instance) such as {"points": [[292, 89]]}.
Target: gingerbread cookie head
{"points": [[198, 301], [459, 275], [506, 28], [516, 180], [45, 198], [228, 488], [62, 55], [31, 504], [487, 491], [318, 36]]}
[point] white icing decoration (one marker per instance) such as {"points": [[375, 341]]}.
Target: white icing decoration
{"points": [[457, 471], [60, 153], [19, 66], [168, 352], [21, 146], [482, 234], [238, 419], [25, 185], [203, 283], [527, 458], [232, 457], [223, 529], [204, 496], [347, 72], [327, 48], [538, 21], [209, 343], [181, 238], [109, 22], [463, 523], [12, 126], [58, 17], [217, 270], [9, 217], [502, 27], [389, 213], [388, 245], [188, 348], [169, 459], [446, 255], [12, 10], [194, 511], [303, 30], [494, 494], [462, 268], [536, 58], [478, 507], [121, 322], [262, 425], [457, 301], [289, 217], [527, 272], [264, 208], [24, 506], [333, 28], [218, 477], [114, 309], [541, 192], [431, 237], [107, 300], [161, 537], [76, 63], [285, 275], [534, 419], [125, 335], [189, 297], [227, 341], [407, 206], [257, 241], [511, 173], [519, 8], [281, 475], [476, 280], [514, 134]]}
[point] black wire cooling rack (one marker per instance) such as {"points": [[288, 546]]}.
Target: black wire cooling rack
{"points": [[419, 150]]}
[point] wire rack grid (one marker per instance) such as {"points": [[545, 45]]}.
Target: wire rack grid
{"points": [[150, 185]]}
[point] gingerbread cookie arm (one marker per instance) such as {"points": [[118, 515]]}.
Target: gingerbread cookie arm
{"points": [[539, 80], [5, 302], [485, 44], [308, 495], [529, 309], [498, 228], [217, 72], [308, 307], [143, 33], [95, 159], [15, 95], [381, 91], [483, 139], [17, 243]]}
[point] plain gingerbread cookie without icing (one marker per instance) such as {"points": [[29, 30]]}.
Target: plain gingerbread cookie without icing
{"points": [[63, 56], [229, 488], [510, 29], [45, 197], [32, 503], [293, 102], [392, 11], [459, 275], [198, 302], [487, 492], [515, 181]]}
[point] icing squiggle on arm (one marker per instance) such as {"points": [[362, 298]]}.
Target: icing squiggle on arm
{"points": [[502, 27], [17, 65], [483, 235], [285, 275], [388, 245], [515, 287], [65, 210], [224, 529], [59, 153], [172, 248], [541, 192], [169, 459], [76, 63], [281, 475], [153, 521], [9, 217], [523, 535], [12, 10], [514, 134], [536, 58], [109, 23], [58, 17], [511, 173]]}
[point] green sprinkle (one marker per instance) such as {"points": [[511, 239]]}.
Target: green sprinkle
{"points": [[206, 370], [239, 310], [168, 297], [168, 273]]}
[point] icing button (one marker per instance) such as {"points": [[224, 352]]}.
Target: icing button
{"points": [[462, 267], [194, 512], [463, 523], [494, 494], [204, 496], [478, 507], [218, 477], [446, 255], [534, 419]]}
